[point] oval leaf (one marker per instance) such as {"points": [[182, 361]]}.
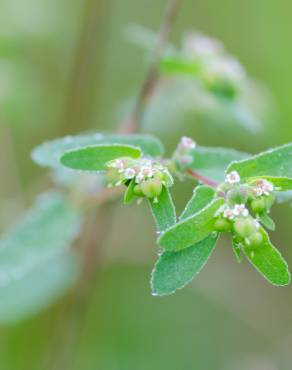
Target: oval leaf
{"points": [[202, 196], [268, 261], [48, 154], [163, 210], [275, 162], [94, 158], [191, 230]]}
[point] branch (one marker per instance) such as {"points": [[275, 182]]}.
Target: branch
{"points": [[133, 123], [202, 179]]}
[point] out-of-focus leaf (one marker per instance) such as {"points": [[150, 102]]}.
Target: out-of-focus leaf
{"points": [[275, 162], [280, 183], [163, 210], [202, 196], [212, 162], [192, 229], [129, 193], [174, 270], [266, 220], [176, 64], [48, 154], [268, 261], [35, 264], [95, 158]]}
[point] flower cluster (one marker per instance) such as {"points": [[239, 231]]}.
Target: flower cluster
{"points": [[182, 156], [243, 208], [219, 71], [146, 175]]}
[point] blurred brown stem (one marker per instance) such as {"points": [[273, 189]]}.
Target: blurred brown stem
{"points": [[133, 122]]}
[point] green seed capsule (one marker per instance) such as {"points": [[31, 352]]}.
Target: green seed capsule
{"points": [[138, 190], [237, 195], [222, 225], [244, 227], [151, 188], [255, 239], [258, 205]]}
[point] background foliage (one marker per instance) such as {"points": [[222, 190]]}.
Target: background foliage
{"points": [[65, 67]]}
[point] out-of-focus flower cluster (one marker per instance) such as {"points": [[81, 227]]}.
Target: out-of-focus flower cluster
{"points": [[146, 175], [218, 71], [182, 156]]}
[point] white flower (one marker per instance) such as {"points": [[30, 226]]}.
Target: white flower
{"points": [[118, 163], [263, 187], [232, 178], [240, 210], [198, 45], [229, 213], [186, 143], [129, 173]]}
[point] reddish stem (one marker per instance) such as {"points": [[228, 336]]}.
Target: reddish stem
{"points": [[202, 179]]}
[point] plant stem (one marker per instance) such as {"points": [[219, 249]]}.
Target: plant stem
{"points": [[202, 179], [133, 123]]}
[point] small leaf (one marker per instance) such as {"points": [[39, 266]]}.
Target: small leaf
{"points": [[36, 266], [163, 210], [212, 162], [275, 162], [94, 158], [192, 229], [202, 196], [129, 193], [48, 154], [176, 64], [280, 183], [266, 220], [268, 261], [174, 270]]}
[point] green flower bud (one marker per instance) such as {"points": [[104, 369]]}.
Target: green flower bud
{"points": [[221, 224], [269, 200], [238, 195], [138, 190], [151, 188], [255, 239], [258, 205], [244, 227]]}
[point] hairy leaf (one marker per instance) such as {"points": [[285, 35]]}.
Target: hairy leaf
{"points": [[212, 162], [35, 264], [268, 261], [275, 162], [192, 229], [202, 196], [164, 210], [174, 270], [266, 220], [48, 154], [94, 158]]}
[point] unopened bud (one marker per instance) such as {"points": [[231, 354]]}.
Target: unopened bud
{"points": [[222, 224], [151, 188], [258, 205]]}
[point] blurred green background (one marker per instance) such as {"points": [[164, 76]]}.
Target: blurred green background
{"points": [[65, 67]]}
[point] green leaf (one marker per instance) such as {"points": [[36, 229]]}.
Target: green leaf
{"points": [[174, 270], [94, 158], [176, 64], [212, 162], [36, 266], [266, 220], [280, 183], [192, 229], [129, 193], [268, 261], [275, 162], [202, 196], [48, 154], [163, 211]]}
